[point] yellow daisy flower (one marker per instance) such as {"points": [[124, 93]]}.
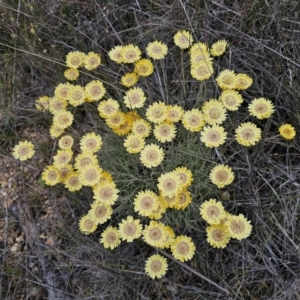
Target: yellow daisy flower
{"points": [[185, 176], [200, 57], [71, 74], [157, 112], [227, 80], [108, 108], [261, 108], [116, 120], [125, 127], [183, 39], [247, 134], [106, 193], [100, 212], [131, 53], [169, 184], [129, 79], [199, 47], [66, 142], [287, 131], [145, 203], [51, 175], [213, 136], [221, 175], [152, 155], [62, 158], [218, 48], [94, 90], [183, 248], [156, 266], [134, 143], [110, 238], [23, 151], [130, 229], [238, 226], [90, 175], [157, 50], [76, 95], [169, 202], [42, 103], [231, 99], [141, 128], [214, 112], [242, 81], [57, 104], [65, 171], [164, 132], [85, 158], [144, 67], [134, 98], [63, 119], [75, 59], [91, 142], [212, 211], [56, 131], [184, 200], [72, 182], [87, 224], [116, 54], [91, 61], [193, 120], [106, 177], [202, 70], [155, 234], [217, 236], [158, 213], [62, 90], [175, 113]]}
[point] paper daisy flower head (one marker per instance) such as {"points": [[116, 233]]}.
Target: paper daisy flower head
{"points": [[231, 99], [183, 248], [94, 90], [261, 108], [141, 128], [212, 211], [169, 202], [218, 48], [42, 103], [116, 120], [106, 177], [134, 143], [242, 81], [124, 127], [85, 158], [183, 39], [247, 134], [152, 155], [56, 131], [155, 234], [65, 171], [66, 142], [185, 176], [217, 236], [202, 70], [130, 229], [287, 131], [62, 158], [100, 212], [213, 136], [108, 108], [145, 203], [193, 120], [221, 175], [76, 95], [63, 119], [157, 50], [214, 112], [199, 47], [200, 57], [75, 59], [144, 67], [116, 54], [157, 112], [110, 238], [134, 98], [131, 53], [91, 61], [169, 184], [129, 79], [71, 74], [106, 193], [158, 213], [51, 175], [72, 182], [23, 151], [238, 226], [226, 80], [184, 199], [57, 104], [87, 224], [91, 142], [156, 266], [175, 113], [62, 90], [164, 132], [90, 175]]}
